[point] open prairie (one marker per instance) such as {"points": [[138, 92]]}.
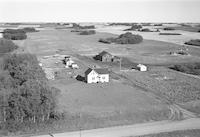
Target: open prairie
{"points": [[130, 97], [48, 42]]}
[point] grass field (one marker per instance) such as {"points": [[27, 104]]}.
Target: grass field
{"points": [[49, 42], [123, 100]]}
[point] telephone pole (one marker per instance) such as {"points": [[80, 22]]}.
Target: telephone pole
{"points": [[120, 64]]}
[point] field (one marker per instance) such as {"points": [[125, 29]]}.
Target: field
{"points": [[130, 96], [177, 39]]}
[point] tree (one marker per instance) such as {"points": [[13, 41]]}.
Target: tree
{"points": [[24, 92], [6, 46]]}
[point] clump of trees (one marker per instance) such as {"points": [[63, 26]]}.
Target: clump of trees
{"points": [[122, 23], [158, 24], [194, 42], [126, 38], [134, 27], [168, 28], [87, 32], [30, 29], [107, 40], [14, 34], [25, 97], [190, 68], [77, 26], [169, 34], [145, 30], [6, 46]]}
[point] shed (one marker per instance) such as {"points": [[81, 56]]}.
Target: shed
{"points": [[142, 67]]}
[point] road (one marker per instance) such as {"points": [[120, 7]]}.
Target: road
{"points": [[134, 130]]}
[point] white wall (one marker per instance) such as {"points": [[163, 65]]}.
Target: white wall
{"points": [[92, 77], [104, 78]]}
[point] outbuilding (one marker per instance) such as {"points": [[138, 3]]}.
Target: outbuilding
{"points": [[97, 75], [104, 56], [141, 67]]}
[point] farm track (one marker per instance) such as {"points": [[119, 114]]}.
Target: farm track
{"points": [[177, 112], [134, 130]]}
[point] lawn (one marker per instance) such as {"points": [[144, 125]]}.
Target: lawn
{"points": [[108, 104]]}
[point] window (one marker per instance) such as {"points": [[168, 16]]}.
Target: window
{"points": [[93, 78], [103, 77]]}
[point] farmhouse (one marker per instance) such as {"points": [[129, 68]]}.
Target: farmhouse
{"points": [[97, 75], [104, 56]]}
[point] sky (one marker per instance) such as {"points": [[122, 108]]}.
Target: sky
{"points": [[99, 10]]}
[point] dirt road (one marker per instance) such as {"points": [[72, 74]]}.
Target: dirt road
{"points": [[134, 130]]}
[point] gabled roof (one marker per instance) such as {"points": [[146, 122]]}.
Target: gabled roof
{"points": [[141, 65], [97, 70], [88, 71], [101, 70], [104, 53]]}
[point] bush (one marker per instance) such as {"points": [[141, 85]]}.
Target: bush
{"points": [[127, 38], [145, 30], [107, 41], [159, 24], [30, 29], [124, 24], [170, 34], [168, 28], [195, 42], [18, 34], [134, 27], [13, 31], [77, 26], [88, 32], [191, 68], [6, 46]]}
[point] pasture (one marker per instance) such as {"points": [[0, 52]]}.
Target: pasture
{"points": [[119, 102]]}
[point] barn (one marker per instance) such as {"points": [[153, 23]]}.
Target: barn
{"points": [[104, 56], [97, 75]]}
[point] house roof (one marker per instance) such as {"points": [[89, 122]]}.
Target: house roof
{"points": [[104, 53], [88, 71], [101, 70], [141, 65], [98, 70]]}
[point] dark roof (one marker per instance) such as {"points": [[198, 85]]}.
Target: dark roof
{"points": [[88, 71], [98, 70], [104, 53], [101, 70]]}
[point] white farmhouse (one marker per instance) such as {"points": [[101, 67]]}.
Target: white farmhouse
{"points": [[142, 67], [97, 75]]}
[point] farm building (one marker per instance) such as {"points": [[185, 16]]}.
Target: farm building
{"points": [[116, 59], [141, 67], [97, 75], [104, 56]]}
